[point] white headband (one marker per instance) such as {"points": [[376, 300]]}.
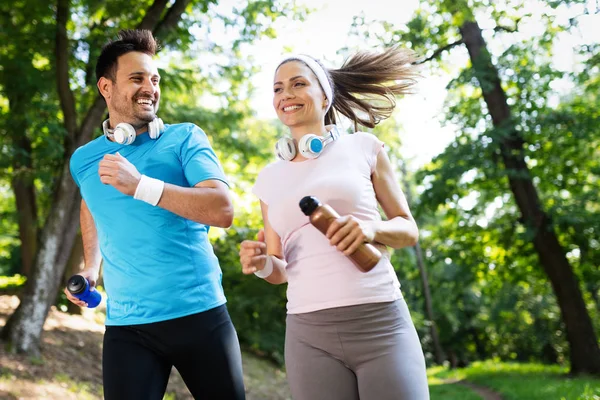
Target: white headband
{"points": [[318, 71]]}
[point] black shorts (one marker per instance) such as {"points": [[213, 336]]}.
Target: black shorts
{"points": [[137, 359]]}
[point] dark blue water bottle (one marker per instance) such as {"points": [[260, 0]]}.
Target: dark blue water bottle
{"points": [[79, 287]]}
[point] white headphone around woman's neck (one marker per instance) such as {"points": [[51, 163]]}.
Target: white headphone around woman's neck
{"points": [[309, 146], [124, 133]]}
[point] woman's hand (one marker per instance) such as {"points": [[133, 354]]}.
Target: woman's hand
{"points": [[253, 254], [347, 233]]}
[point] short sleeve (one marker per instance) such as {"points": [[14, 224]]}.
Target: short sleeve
{"points": [[260, 188], [198, 159], [371, 146], [73, 168]]}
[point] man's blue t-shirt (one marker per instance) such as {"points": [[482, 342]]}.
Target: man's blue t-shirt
{"points": [[157, 265]]}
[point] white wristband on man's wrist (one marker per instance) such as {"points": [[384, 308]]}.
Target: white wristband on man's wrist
{"points": [[149, 190], [267, 270]]}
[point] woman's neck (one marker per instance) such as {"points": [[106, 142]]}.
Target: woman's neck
{"points": [[300, 130]]}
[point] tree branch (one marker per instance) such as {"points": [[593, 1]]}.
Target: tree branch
{"points": [[67, 100], [439, 51], [92, 119], [499, 28], [152, 17], [172, 18]]}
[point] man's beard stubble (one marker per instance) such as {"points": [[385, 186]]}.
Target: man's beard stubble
{"points": [[133, 116]]}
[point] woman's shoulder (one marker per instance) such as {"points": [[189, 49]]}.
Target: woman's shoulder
{"points": [[361, 138]]}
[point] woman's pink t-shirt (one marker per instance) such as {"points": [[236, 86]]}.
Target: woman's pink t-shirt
{"points": [[319, 275]]}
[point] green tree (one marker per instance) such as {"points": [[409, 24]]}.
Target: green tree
{"points": [[498, 102], [75, 31]]}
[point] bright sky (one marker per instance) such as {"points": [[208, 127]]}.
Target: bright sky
{"points": [[325, 32]]}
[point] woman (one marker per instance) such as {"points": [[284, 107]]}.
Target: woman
{"points": [[349, 334]]}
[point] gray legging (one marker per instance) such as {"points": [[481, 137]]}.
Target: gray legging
{"points": [[368, 352]]}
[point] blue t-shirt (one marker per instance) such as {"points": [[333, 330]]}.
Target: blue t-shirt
{"points": [[157, 265]]}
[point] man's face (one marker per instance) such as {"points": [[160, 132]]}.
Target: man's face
{"points": [[134, 96]]}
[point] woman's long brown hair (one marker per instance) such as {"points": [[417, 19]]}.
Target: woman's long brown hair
{"points": [[366, 86]]}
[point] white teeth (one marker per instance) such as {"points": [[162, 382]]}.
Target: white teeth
{"points": [[144, 101], [290, 108]]}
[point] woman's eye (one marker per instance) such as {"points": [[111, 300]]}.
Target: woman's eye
{"points": [[299, 84], [276, 90]]}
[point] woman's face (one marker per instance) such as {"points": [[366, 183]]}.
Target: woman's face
{"points": [[297, 95]]}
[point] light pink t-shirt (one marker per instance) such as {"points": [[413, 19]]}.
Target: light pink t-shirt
{"points": [[319, 275]]}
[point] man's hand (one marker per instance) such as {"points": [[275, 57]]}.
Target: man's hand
{"points": [[91, 274], [117, 171]]}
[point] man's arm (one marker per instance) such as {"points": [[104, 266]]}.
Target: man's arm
{"points": [[208, 203], [89, 236], [91, 251]]}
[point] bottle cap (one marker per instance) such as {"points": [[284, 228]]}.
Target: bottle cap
{"points": [[76, 284], [309, 204]]}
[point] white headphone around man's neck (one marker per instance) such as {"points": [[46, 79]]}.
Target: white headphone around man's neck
{"points": [[310, 146], [124, 133]]}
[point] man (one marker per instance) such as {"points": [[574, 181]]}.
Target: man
{"points": [[150, 193]]}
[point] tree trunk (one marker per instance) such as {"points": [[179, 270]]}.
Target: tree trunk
{"points": [[24, 190], [585, 353], [437, 348], [22, 180], [24, 328]]}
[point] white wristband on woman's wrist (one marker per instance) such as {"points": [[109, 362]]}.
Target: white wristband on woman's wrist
{"points": [[149, 190], [267, 270]]}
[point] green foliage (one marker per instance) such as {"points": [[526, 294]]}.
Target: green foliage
{"points": [[257, 308], [9, 233], [490, 296], [11, 284]]}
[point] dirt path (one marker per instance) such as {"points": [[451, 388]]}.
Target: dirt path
{"points": [[70, 365], [484, 392]]}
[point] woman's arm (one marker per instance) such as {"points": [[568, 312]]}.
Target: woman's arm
{"points": [[399, 230], [254, 254]]}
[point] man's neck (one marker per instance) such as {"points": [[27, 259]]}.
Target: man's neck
{"points": [[139, 128]]}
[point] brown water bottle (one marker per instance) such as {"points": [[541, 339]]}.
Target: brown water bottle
{"points": [[322, 215]]}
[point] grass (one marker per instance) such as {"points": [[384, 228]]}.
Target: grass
{"points": [[441, 388], [451, 391], [525, 381], [11, 284]]}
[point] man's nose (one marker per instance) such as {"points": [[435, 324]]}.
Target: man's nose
{"points": [[149, 86]]}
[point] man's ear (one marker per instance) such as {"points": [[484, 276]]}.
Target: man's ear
{"points": [[105, 87]]}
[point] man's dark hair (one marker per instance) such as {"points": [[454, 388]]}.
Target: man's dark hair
{"points": [[128, 40]]}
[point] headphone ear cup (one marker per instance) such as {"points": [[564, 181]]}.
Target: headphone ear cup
{"points": [[124, 133], [285, 148], [310, 146], [155, 128]]}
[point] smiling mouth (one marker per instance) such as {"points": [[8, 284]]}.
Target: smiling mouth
{"points": [[291, 108], [145, 102]]}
